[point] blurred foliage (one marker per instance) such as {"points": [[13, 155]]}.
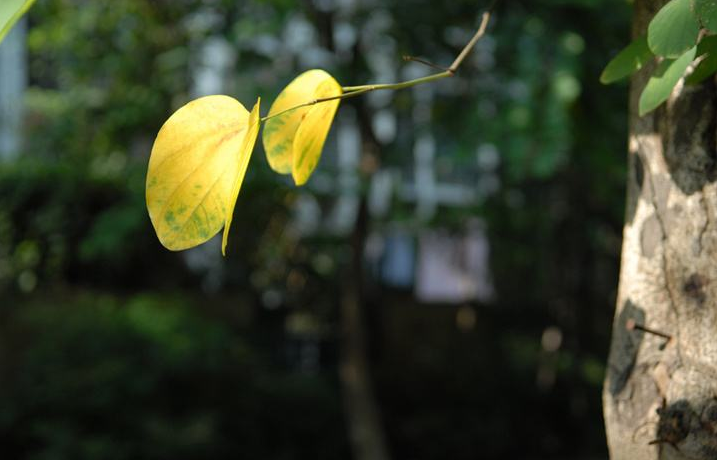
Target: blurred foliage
{"points": [[60, 225], [94, 377], [114, 70], [116, 375]]}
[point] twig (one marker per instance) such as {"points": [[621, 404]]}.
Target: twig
{"points": [[352, 91], [424, 62], [631, 325]]}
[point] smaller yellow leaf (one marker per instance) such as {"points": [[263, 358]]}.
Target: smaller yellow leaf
{"points": [[244, 156], [284, 154], [312, 132]]}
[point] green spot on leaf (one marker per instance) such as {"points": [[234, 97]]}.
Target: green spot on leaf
{"points": [[169, 217]]}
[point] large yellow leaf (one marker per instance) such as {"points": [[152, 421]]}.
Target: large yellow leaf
{"points": [[245, 154], [294, 139], [196, 167]]}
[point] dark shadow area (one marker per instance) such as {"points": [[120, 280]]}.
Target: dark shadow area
{"points": [[689, 428], [625, 345], [695, 121], [635, 185]]}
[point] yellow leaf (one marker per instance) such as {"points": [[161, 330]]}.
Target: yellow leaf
{"points": [[197, 162], [244, 155], [294, 139], [312, 132]]}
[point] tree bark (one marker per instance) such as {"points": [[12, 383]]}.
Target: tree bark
{"points": [[660, 395]]}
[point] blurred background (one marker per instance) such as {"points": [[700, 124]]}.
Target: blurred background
{"points": [[442, 287]]}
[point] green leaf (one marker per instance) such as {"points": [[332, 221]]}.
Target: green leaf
{"points": [[663, 80], [673, 30], [10, 12], [628, 61], [706, 12]]}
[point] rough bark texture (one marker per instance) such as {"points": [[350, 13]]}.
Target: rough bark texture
{"points": [[660, 396]]}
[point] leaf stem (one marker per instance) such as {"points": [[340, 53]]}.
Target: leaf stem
{"points": [[352, 91], [345, 95], [401, 85]]}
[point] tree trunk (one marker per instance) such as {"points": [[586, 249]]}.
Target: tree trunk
{"points": [[363, 419], [660, 395], [361, 410]]}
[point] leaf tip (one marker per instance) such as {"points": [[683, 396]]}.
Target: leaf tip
{"points": [[299, 180], [255, 109], [644, 109]]}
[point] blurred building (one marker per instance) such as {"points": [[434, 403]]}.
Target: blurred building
{"points": [[13, 80]]}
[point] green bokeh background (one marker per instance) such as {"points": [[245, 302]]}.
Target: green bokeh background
{"points": [[112, 348]]}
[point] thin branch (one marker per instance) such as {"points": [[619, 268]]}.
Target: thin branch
{"points": [[316, 101], [401, 85], [424, 62], [352, 91], [479, 34]]}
